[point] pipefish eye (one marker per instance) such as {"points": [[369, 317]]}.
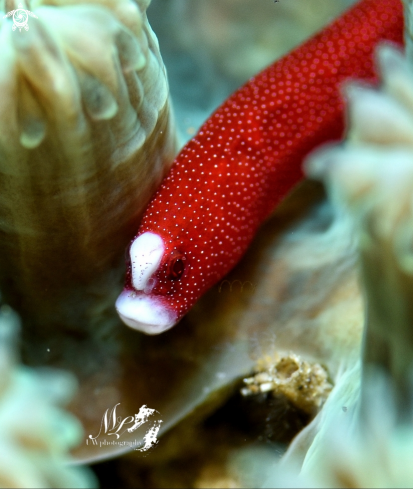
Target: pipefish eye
{"points": [[176, 267]]}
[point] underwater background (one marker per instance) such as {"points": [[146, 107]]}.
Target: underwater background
{"points": [[227, 382]]}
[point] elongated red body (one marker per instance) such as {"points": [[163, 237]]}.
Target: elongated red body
{"points": [[243, 161]]}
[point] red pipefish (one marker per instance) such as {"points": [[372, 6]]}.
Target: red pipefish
{"points": [[243, 161]]}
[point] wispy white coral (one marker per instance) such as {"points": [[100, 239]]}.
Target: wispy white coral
{"points": [[371, 175], [375, 163], [363, 437], [36, 434], [348, 451]]}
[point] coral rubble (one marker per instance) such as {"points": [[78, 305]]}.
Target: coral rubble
{"points": [[304, 384]]}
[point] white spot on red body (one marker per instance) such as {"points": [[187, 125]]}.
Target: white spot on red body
{"points": [[145, 253]]}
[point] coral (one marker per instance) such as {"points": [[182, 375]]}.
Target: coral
{"points": [[36, 434], [86, 137], [363, 435], [304, 384], [371, 177], [348, 451]]}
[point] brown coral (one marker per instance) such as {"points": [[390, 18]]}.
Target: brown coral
{"points": [[86, 137]]}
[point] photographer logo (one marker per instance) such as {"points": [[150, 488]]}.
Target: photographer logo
{"points": [[115, 426]]}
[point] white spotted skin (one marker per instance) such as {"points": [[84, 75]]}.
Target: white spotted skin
{"points": [[249, 153]]}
